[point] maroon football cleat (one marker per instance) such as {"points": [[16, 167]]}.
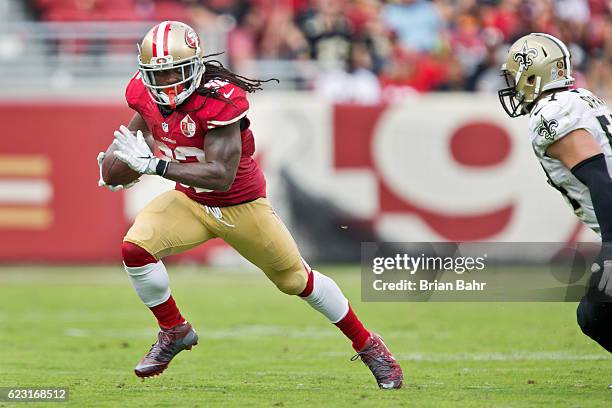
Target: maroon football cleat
{"points": [[169, 343], [381, 362]]}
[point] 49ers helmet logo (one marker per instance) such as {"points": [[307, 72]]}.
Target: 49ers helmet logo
{"points": [[188, 126], [191, 38]]}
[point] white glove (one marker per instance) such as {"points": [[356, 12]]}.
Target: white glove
{"points": [[605, 280], [601, 273], [601, 270], [102, 183], [134, 151]]}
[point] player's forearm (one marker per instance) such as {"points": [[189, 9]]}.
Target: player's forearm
{"points": [[593, 173], [210, 175]]}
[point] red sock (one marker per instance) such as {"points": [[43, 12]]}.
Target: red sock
{"points": [[167, 314], [354, 330]]}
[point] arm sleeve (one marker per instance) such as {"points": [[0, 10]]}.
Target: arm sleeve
{"points": [[593, 173]]}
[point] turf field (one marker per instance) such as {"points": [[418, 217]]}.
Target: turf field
{"points": [[85, 329]]}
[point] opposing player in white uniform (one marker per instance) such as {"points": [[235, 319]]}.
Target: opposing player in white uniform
{"points": [[570, 132]]}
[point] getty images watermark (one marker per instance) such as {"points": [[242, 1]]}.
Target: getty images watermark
{"points": [[505, 271], [412, 264]]}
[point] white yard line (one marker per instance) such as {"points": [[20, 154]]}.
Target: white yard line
{"points": [[493, 356], [262, 331]]}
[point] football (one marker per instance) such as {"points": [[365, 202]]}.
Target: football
{"points": [[115, 172]]}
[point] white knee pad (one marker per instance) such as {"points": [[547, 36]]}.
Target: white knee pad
{"points": [[151, 282]]}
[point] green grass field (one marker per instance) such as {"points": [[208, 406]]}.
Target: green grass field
{"points": [[84, 328]]}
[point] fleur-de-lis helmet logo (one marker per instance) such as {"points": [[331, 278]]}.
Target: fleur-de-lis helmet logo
{"points": [[525, 56], [547, 128]]}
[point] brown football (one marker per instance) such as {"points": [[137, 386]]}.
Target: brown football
{"points": [[115, 172]]}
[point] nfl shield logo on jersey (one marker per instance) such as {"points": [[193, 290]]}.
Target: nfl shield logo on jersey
{"points": [[165, 127], [188, 126]]}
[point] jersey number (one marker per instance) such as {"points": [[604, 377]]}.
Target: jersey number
{"points": [[604, 121], [182, 154], [573, 202]]}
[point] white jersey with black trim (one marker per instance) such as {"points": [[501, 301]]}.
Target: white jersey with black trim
{"points": [[554, 117]]}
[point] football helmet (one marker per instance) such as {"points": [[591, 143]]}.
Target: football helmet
{"points": [[535, 63], [171, 45]]}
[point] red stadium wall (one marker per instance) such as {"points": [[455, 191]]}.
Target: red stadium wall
{"points": [[439, 168], [55, 146]]}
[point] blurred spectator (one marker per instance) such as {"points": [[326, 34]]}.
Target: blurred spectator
{"points": [[267, 34], [281, 38], [368, 26], [467, 43], [501, 16], [358, 85], [328, 32], [486, 77], [409, 72], [417, 23], [574, 11], [410, 46], [600, 76]]}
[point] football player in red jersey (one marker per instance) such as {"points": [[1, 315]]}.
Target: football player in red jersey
{"points": [[195, 112]]}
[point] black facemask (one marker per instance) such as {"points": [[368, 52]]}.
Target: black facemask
{"points": [[508, 99]]}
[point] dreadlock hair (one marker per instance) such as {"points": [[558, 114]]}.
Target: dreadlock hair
{"points": [[214, 69]]}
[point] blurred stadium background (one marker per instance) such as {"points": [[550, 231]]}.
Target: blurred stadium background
{"points": [[385, 127], [385, 124]]}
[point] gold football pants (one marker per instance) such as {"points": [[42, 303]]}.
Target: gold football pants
{"points": [[173, 223]]}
